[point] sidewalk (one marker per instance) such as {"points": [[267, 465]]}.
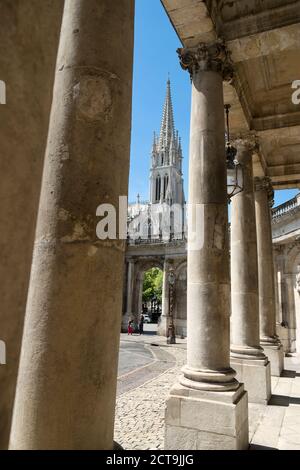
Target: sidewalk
{"points": [[139, 422]]}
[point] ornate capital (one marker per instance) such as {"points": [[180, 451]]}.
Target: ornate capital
{"points": [[213, 56], [249, 140], [265, 184]]}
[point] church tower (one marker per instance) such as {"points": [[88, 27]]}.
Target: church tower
{"points": [[166, 182]]}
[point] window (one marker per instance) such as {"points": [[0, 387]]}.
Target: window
{"points": [[157, 188]]}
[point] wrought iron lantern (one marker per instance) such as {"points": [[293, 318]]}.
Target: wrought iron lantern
{"points": [[235, 175]]}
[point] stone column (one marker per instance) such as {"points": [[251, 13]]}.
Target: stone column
{"points": [[208, 408], [267, 312], [129, 295], [66, 385], [27, 64], [163, 322], [247, 356]]}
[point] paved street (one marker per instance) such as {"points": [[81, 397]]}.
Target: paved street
{"points": [[141, 359], [133, 356]]}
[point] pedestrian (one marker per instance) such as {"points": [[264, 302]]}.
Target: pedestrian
{"points": [[141, 325], [130, 329]]}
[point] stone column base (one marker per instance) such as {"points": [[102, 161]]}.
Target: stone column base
{"points": [[256, 377], [162, 326], [205, 420], [275, 355]]}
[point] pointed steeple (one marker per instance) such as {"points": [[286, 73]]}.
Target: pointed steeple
{"points": [[167, 132], [154, 144]]}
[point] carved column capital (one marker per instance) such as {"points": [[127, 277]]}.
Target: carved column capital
{"points": [[204, 57], [265, 184], [250, 141]]}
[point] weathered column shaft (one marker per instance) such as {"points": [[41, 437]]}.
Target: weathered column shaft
{"points": [[129, 294], [130, 273], [267, 311], [163, 321], [27, 64], [165, 290], [208, 288], [207, 388], [67, 378], [247, 356], [244, 271], [265, 261]]}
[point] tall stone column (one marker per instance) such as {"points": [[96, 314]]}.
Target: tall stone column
{"points": [[208, 408], [267, 312], [129, 295], [27, 65], [247, 356], [66, 385], [163, 322]]}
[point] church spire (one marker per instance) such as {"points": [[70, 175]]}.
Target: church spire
{"points": [[154, 144], [167, 132]]}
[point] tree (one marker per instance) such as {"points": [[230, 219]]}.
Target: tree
{"points": [[152, 286]]}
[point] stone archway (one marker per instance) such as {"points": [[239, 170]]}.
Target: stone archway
{"points": [[141, 266]]}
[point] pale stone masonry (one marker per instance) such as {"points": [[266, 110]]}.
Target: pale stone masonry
{"points": [[267, 311], [208, 388], [66, 386], [27, 61], [65, 396], [247, 356]]}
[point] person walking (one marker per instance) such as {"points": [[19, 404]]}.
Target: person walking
{"points": [[141, 325], [130, 329]]}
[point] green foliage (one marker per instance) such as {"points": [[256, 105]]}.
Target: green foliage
{"points": [[152, 286]]}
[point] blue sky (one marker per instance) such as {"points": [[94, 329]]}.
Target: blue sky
{"points": [[154, 58]]}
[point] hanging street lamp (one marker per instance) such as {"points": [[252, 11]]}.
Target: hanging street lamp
{"points": [[235, 177]]}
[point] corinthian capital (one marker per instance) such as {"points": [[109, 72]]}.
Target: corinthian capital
{"points": [[248, 140], [265, 184], [213, 56]]}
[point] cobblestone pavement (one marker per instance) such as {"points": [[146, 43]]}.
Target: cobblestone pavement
{"points": [[139, 422]]}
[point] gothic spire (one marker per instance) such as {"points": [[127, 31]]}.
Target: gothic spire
{"points": [[154, 144], [167, 132]]}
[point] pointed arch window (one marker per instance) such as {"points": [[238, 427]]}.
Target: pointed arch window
{"points": [[157, 188], [165, 187]]}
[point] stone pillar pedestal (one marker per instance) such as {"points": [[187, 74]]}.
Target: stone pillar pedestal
{"points": [[206, 420], [208, 410], [256, 376], [247, 356], [267, 311], [276, 357]]}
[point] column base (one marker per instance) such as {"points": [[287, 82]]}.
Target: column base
{"points": [[256, 377], [206, 420], [275, 355], [162, 327]]}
